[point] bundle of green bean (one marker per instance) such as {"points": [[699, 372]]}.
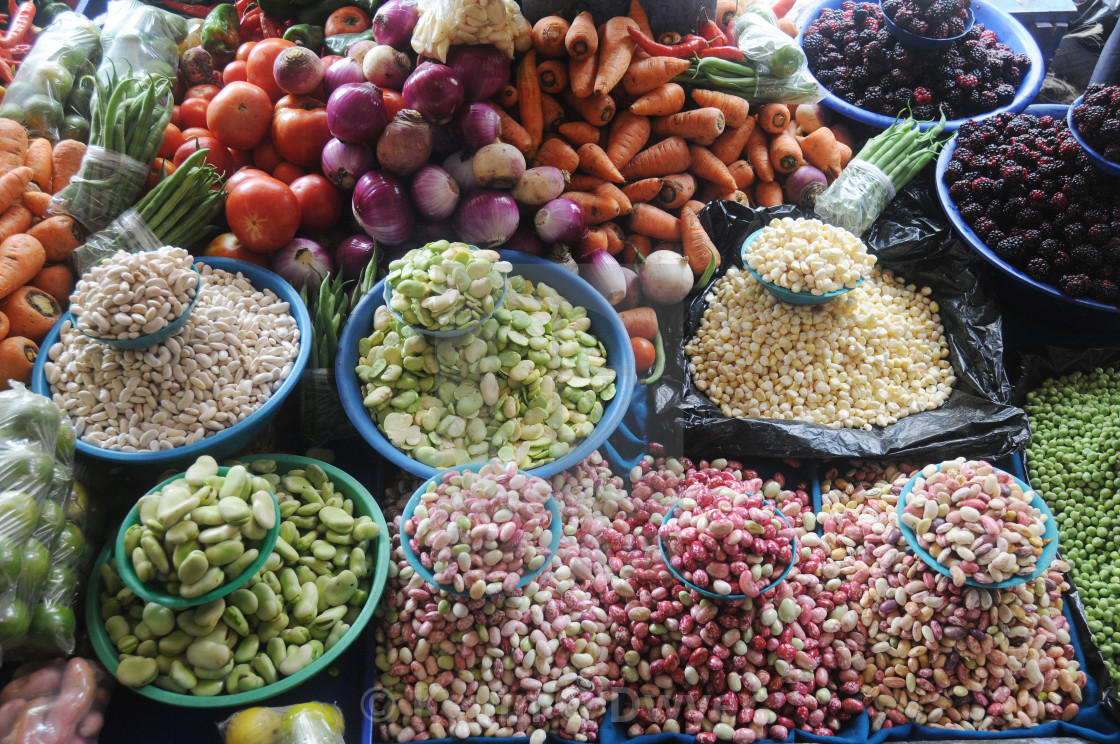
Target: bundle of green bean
{"points": [[902, 149], [1073, 463], [746, 82], [330, 306]]}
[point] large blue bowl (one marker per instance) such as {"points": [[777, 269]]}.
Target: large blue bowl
{"points": [[1048, 292], [605, 325], [1110, 167], [239, 435], [1010, 32]]}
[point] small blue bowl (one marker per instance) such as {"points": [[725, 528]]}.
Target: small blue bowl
{"points": [[715, 595], [387, 291], [148, 339], [1110, 167], [555, 525], [926, 42], [1049, 551], [239, 435], [788, 295]]}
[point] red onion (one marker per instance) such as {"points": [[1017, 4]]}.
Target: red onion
{"points": [[486, 219], [352, 255], [394, 22], [540, 185], [525, 240], [442, 142], [358, 49], [344, 163], [633, 296], [381, 207], [406, 144], [458, 164], [356, 112], [602, 271], [498, 166], [804, 184], [301, 262], [297, 70], [476, 125], [342, 71], [434, 192], [385, 66], [561, 221], [433, 90], [483, 69]]}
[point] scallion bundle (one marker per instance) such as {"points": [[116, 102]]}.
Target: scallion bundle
{"points": [[902, 150]]}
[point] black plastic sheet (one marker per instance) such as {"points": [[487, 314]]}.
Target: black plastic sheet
{"points": [[977, 418]]}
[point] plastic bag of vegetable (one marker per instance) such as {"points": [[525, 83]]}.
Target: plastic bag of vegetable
{"points": [[765, 46], [48, 95], [56, 701], [140, 39], [443, 23], [303, 723]]}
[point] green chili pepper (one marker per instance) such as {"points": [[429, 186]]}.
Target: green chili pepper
{"points": [[306, 35]]}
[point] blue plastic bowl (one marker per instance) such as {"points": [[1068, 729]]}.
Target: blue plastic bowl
{"points": [[236, 437], [1049, 551], [556, 525], [1010, 32], [1057, 111], [1110, 167], [926, 42], [605, 325], [788, 295], [149, 339]]}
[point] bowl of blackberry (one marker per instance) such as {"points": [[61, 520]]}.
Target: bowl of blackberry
{"points": [[1094, 120], [928, 24]]}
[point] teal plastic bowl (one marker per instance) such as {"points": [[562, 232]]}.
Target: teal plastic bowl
{"points": [[364, 504], [149, 339], [1049, 551], [787, 295]]}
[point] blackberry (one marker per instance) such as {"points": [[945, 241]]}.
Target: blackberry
{"points": [[1076, 285], [1061, 262], [1105, 290], [814, 45], [983, 227], [982, 188], [1049, 248], [1038, 269], [1085, 257], [971, 211], [967, 81], [1110, 253], [1100, 233], [1010, 249], [1031, 240], [925, 112]]}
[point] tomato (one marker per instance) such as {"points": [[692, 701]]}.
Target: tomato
{"points": [[394, 102], [348, 20], [240, 115], [320, 203], [258, 65], [287, 172], [644, 353], [327, 60], [265, 156], [172, 138], [299, 129], [202, 90], [196, 132], [263, 213], [234, 72], [50, 621], [175, 118], [242, 175], [218, 156], [240, 158], [243, 51], [227, 245], [193, 112], [161, 167]]}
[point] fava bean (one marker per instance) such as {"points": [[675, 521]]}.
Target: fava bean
{"points": [[136, 671]]}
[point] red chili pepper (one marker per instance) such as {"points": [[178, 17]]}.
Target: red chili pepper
{"points": [[687, 48], [6, 74], [713, 34], [195, 11], [243, 7], [730, 53], [20, 25], [270, 27], [251, 25]]}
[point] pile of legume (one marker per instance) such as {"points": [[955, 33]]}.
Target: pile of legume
{"points": [[234, 352], [868, 358], [478, 532], [298, 606], [1072, 462], [524, 387], [809, 256], [930, 652], [133, 294], [976, 521], [446, 286]]}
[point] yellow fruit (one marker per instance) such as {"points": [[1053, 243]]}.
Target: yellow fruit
{"points": [[254, 726], [310, 723]]}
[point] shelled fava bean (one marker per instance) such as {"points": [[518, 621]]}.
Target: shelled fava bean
{"points": [[479, 532], [1073, 463], [524, 387], [809, 256], [976, 521], [446, 286], [193, 530], [930, 652], [299, 605], [535, 660]]}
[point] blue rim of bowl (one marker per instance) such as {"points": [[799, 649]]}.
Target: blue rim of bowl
{"points": [[1028, 89], [387, 293], [148, 592], [774, 582], [949, 207], [258, 276], [148, 339], [1110, 167], [1049, 551], [918, 41], [429, 577], [788, 295]]}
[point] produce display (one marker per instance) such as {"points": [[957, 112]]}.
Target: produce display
{"points": [[809, 256], [1098, 119]]}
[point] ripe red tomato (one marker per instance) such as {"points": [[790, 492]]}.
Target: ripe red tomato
{"points": [[263, 213], [240, 115], [196, 132], [243, 175], [287, 172], [202, 90], [243, 51], [320, 203], [644, 353], [176, 119], [266, 157], [394, 102], [258, 65], [348, 20], [227, 245], [234, 72], [299, 129], [172, 138], [161, 168], [193, 112], [218, 156], [240, 159]]}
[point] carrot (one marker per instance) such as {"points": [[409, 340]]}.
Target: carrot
{"points": [[758, 154], [16, 220], [742, 172], [36, 201], [581, 75], [558, 153], [21, 258], [552, 113], [31, 312], [594, 240], [708, 166], [696, 244], [65, 163], [842, 134], [17, 359], [4, 326], [58, 236], [788, 27], [594, 161], [768, 193], [548, 36], [598, 208], [582, 41], [616, 49], [654, 222], [507, 97], [512, 132], [529, 100], [677, 189], [634, 246], [704, 123], [12, 185], [695, 205], [785, 153], [595, 109], [615, 237], [781, 7], [643, 191], [580, 132], [662, 101], [773, 117], [822, 151], [727, 11], [644, 75], [640, 322], [845, 154], [629, 134], [38, 159], [670, 155], [583, 182], [13, 145], [729, 146], [609, 190], [638, 15], [553, 75], [734, 108], [57, 280]]}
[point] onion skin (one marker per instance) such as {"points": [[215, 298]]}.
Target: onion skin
{"points": [[386, 67], [342, 71], [356, 112], [475, 125], [561, 221], [433, 90], [406, 144], [382, 208], [344, 163], [486, 219], [633, 296], [434, 193], [602, 271], [352, 255], [394, 22], [301, 262], [665, 277], [482, 69], [458, 164]]}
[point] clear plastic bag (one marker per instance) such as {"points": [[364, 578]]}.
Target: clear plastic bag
{"points": [[446, 22], [56, 701], [48, 85], [766, 47], [856, 198], [106, 180], [139, 39], [304, 723], [129, 232], [322, 418]]}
